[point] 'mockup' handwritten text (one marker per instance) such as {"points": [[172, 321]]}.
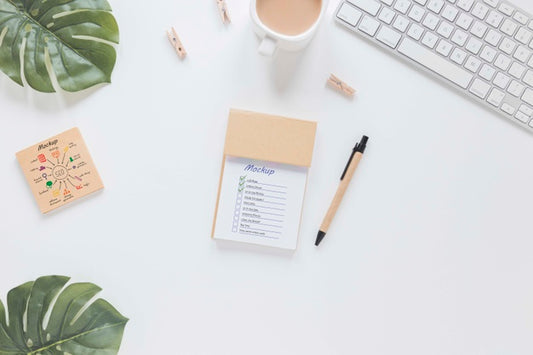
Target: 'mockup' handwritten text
{"points": [[257, 169], [47, 144]]}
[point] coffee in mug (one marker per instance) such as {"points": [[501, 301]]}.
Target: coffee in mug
{"points": [[289, 17], [286, 24]]}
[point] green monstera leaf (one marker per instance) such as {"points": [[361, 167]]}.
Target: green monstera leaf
{"points": [[70, 327], [70, 40]]}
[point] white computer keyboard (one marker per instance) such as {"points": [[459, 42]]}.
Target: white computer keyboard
{"points": [[481, 47]]}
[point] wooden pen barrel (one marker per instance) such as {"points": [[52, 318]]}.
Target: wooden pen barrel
{"points": [[341, 190]]}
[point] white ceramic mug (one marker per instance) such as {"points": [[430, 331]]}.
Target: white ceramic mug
{"points": [[272, 40]]}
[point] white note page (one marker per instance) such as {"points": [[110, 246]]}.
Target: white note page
{"points": [[260, 202]]}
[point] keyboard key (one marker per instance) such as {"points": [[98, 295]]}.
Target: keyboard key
{"points": [[496, 97], [450, 13], [417, 13], [472, 64], [389, 37], [435, 5], [493, 37], [401, 23], [480, 11], [473, 45], [464, 21], [458, 56], [478, 29], [488, 54], [459, 38], [506, 9], [444, 47], [528, 78], [515, 88], [522, 117], [517, 70], [487, 72], [431, 21], [388, 2], [370, 6], [507, 46], [520, 17], [480, 88], [433, 62], [528, 96], [492, 3], [386, 15], [523, 36], [349, 14], [526, 110], [430, 40], [369, 26], [502, 62], [421, 2], [508, 109], [445, 29], [501, 80], [494, 19], [509, 27], [465, 4], [415, 31], [402, 6], [522, 54]]}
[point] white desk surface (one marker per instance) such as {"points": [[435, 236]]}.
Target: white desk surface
{"points": [[431, 252]]}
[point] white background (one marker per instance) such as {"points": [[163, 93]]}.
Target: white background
{"points": [[431, 252]]}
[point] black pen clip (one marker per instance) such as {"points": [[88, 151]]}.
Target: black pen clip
{"points": [[359, 147], [349, 161]]}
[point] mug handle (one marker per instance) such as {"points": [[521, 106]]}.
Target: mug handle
{"points": [[267, 47]]}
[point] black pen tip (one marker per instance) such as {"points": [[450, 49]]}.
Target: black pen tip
{"points": [[319, 237]]}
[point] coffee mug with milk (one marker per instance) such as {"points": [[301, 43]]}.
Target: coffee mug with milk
{"points": [[286, 24]]}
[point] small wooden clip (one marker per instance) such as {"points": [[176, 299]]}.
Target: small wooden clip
{"points": [[341, 85], [176, 43], [223, 9]]}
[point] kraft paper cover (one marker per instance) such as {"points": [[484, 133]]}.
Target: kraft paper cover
{"points": [[271, 138]]}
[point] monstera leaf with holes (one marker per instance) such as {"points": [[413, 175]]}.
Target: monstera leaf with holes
{"points": [[63, 41], [40, 323]]}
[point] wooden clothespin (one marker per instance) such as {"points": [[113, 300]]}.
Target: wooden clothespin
{"points": [[176, 43], [223, 9], [340, 85]]}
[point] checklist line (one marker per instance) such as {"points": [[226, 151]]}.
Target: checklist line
{"points": [[271, 214], [270, 208], [264, 219], [263, 230], [262, 224], [280, 186], [278, 192]]}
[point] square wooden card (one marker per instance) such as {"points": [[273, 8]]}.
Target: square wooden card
{"points": [[59, 170]]}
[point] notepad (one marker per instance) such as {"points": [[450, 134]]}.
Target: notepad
{"points": [[263, 179], [59, 170]]}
